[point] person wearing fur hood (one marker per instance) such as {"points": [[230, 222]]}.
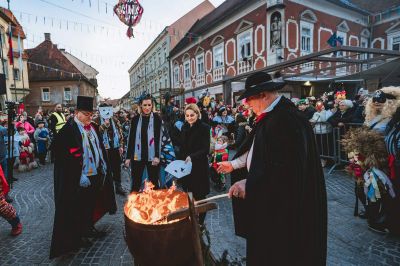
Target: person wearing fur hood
{"points": [[369, 166], [381, 107]]}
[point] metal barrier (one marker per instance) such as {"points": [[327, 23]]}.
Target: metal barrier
{"points": [[328, 140]]}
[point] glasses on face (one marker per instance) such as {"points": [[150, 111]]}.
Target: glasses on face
{"points": [[87, 113]]}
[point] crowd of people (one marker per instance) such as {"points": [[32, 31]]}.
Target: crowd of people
{"points": [[91, 147]]}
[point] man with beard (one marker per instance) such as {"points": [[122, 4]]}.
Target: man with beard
{"points": [[83, 188], [143, 149], [282, 196], [56, 122]]}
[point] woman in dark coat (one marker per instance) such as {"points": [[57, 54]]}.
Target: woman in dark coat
{"points": [[195, 146]]}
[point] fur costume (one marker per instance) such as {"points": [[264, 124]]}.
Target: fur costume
{"points": [[26, 156], [389, 107], [368, 164]]}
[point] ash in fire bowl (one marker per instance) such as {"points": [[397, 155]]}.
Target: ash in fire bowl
{"points": [[151, 206]]}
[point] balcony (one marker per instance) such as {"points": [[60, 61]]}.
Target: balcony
{"points": [[218, 73], [200, 80], [274, 4], [187, 84], [244, 66]]}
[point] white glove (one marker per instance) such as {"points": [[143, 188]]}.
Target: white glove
{"points": [[85, 182]]}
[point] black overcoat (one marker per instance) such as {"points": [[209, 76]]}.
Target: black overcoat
{"points": [[195, 142], [67, 173], [284, 216]]}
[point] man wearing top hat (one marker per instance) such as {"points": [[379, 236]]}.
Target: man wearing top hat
{"points": [[280, 203], [83, 188]]}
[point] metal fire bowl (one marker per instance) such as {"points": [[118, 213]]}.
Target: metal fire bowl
{"points": [[163, 244]]}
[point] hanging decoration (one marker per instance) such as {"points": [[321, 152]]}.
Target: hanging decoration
{"points": [[129, 12]]}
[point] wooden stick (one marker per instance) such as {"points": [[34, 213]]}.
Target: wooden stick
{"points": [[212, 198]]}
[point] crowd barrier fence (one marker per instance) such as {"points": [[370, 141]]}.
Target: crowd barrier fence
{"points": [[328, 140]]}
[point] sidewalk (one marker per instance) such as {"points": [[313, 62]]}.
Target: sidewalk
{"points": [[349, 240]]}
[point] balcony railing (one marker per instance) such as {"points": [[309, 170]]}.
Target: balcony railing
{"points": [[245, 66], [218, 73], [187, 84], [200, 80]]}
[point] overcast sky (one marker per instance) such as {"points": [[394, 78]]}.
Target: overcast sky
{"points": [[89, 30]]}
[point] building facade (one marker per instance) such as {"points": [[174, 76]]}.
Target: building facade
{"points": [[242, 36], [57, 77], [151, 71], [16, 73]]}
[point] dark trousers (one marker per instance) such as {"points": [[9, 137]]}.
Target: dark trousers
{"points": [[115, 163], [42, 158], [87, 203], [137, 173]]}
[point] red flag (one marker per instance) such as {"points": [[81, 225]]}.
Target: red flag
{"points": [[10, 51]]}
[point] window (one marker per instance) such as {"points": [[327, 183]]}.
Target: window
{"points": [[176, 75], [396, 43], [67, 94], [218, 52], [187, 70], [244, 45], [364, 44], [159, 58], [307, 31], [46, 94], [5, 68], [17, 74], [343, 36], [200, 64]]}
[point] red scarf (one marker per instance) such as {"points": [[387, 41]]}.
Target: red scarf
{"points": [[260, 117]]}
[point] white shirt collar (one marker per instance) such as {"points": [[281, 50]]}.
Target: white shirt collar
{"points": [[273, 104]]}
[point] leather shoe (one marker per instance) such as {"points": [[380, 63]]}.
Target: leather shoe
{"points": [[94, 233], [120, 191], [85, 243]]}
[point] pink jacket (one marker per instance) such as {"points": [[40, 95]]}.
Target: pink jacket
{"points": [[28, 127]]}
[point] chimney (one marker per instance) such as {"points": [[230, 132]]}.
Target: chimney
{"points": [[47, 37], [62, 49]]}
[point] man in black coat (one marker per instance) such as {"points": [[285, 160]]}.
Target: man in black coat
{"points": [[283, 207], [83, 185]]}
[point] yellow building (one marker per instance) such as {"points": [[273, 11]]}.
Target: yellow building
{"points": [[16, 74]]}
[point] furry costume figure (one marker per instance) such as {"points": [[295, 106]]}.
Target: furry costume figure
{"points": [[378, 115], [368, 164], [26, 157], [220, 155]]}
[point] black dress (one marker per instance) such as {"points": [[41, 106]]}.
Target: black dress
{"points": [[195, 142]]}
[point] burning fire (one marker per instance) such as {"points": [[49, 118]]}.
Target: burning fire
{"points": [[152, 205]]}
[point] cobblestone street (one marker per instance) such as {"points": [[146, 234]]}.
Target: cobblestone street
{"points": [[350, 241]]}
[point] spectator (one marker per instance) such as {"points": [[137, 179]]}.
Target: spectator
{"points": [[321, 130], [305, 108], [344, 115], [42, 138]]}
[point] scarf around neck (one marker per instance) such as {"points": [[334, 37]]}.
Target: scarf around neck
{"points": [[150, 140], [106, 138], [91, 160]]}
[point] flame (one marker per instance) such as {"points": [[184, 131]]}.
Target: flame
{"points": [[149, 206]]}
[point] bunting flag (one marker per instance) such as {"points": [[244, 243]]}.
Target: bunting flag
{"points": [[10, 51], [21, 66]]}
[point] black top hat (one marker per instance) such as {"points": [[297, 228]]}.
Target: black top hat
{"points": [[259, 82], [84, 103]]}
